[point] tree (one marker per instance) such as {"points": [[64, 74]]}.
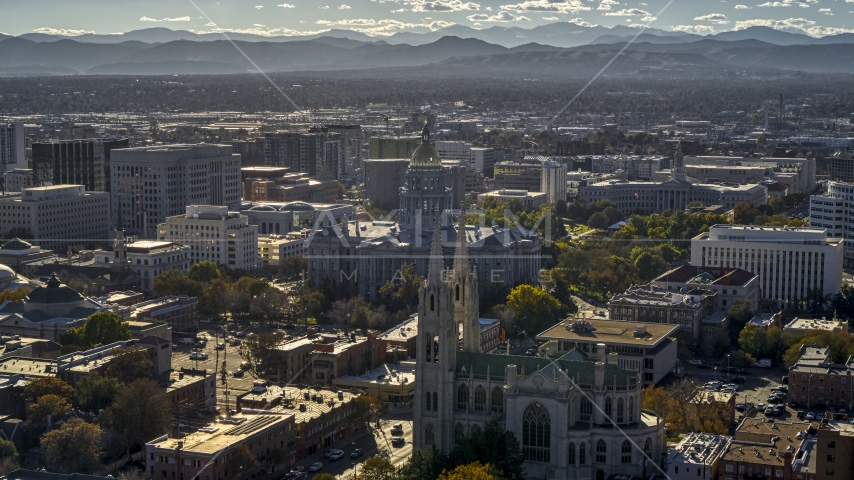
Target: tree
{"points": [[650, 266], [744, 213], [402, 295], [262, 357], [242, 463], [656, 399], [204, 271], [324, 476], [366, 406], [40, 387], [16, 295], [778, 205], [48, 408], [7, 449], [129, 364], [740, 312], [174, 282], [424, 465], [741, 359], [73, 447], [843, 302], [100, 328], [95, 392], [469, 471], [535, 308], [598, 221], [378, 468], [139, 413]]}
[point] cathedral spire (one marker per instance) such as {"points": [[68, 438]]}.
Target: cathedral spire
{"points": [[434, 274], [461, 254]]}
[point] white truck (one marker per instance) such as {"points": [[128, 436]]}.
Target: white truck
{"points": [[187, 341], [763, 363]]}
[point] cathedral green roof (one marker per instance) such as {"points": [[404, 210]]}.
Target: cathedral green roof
{"points": [[580, 371]]}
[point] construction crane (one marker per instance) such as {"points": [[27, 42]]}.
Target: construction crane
{"points": [[386, 119]]}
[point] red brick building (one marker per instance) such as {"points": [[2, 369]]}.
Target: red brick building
{"points": [[339, 356], [817, 382]]}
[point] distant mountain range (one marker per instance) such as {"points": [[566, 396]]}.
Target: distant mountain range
{"points": [[559, 48]]}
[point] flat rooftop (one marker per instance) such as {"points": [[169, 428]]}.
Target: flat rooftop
{"points": [[699, 448], [791, 436], [29, 367], [403, 332], [225, 432], [387, 374], [609, 332], [806, 324]]}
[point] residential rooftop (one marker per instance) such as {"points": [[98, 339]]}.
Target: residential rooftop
{"points": [[224, 432], [29, 367], [699, 448], [765, 442]]}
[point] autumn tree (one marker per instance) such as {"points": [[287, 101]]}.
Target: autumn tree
{"points": [[470, 471], [378, 468], [129, 364], [535, 308], [401, 293], [16, 295], [48, 408], [7, 449], [261, 356], [139, 413], [40, 387], [73, 447], [242, 463]]}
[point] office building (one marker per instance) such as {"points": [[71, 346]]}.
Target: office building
{"points": [[530, 200], [696, 456], [553, 181], [479, 158], [648, 304], [805, 325], [202, 454], [149, 184], [58, 216], [390, 383], [815, 380], [388, 147], [336, 357], [321, 155], [835, 442], [292, 187], [636, 167], [842, 167], [382, 178], [647, 348], [788, 261], [76, 162], [18, 179], [798, 173], [74, 366], [213, 233], [148, 259], [275, 249], [730, 284], [77, 132], [830, 211], [351, 148], [274, 218], [519, 176], [13, 144], [459, 391]]}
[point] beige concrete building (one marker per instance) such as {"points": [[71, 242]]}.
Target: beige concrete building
{"points": [[58, 216], [213, 233], [148, 259], [529, 199]]}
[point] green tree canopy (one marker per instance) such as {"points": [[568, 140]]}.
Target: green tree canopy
{"points": [[95, 392], [73, 447], [535, 308], [205, 271], [261, 356], [139, 413], [47, 408], [129, 364], [100, 328], [39, 387]]}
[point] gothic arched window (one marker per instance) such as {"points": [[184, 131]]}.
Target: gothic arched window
{"points": [[647, 448], [601, 450], [429, 435], [459, 433], [586, 409], [458, 293], [631, 409], [435, 402], [626, 451], [620, 410], [570, 457], [427, 401], [432, 302], [536, 433], [479, 399], [462, 397], [497, 401], [582, 454], [608, 406]]}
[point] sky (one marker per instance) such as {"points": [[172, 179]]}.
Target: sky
{"points": [[386, 17]]}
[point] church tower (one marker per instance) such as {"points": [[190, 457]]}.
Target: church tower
{"points": [[466, 301], [120, 249], [679, 164], [437, 345]]}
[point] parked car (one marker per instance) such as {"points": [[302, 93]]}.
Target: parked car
{"points": [[220, 346], [785, 380], [740, 407], [238, 374], [356, 453], [760, 407], [738, 379], [336, 456], [695, 362], [810, 416], [332, 451], [398, 442], [201, 356], [769, 412], [743, 371], [240, 334], [315, 467]]}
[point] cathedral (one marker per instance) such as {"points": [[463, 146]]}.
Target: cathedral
{"points": [[575, 417]]}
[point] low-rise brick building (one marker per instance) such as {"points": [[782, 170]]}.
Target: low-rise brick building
{"points": [[769, 451], [816, 381]]}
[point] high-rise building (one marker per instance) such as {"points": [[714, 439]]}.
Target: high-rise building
{"points": [[790, 262], [213, 233], [152, 183], [13, 144], [382, 180], [18, 179], [351, 147], [842, 167], [388, 147], [58, 216], [481, 159], [77, 132], [76, 162], [553, 181]]}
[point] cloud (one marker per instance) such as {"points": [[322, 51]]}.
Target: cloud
{"points": [[502, 16], [383, 27], [61, 31], [210, 24], [399, 10], [699, 29], [742, 7], [631, 12], [788, 3], [555, 6], [774, 4], [285, 5], [259, 7], [801, 25], [581, 23], [606, 4], [825, 11], [442, 5], [718, 18], [176, 19], [325, 7], [551, 19], [344, 7], [266, 32]]}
